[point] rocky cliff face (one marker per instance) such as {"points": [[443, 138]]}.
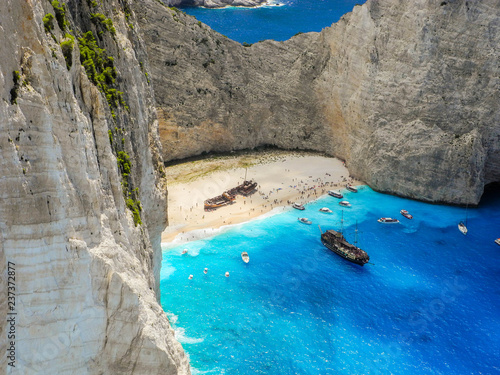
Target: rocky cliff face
{"points": [[405, 91], [83, 197]]}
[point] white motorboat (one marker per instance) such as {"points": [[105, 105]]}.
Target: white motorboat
{"points": [[406, 214], [388, 220], [462, 228], [345, 203], [351, 188], [335, 194], [298, 206], [245, 257], [305, 220], [325, 210]]}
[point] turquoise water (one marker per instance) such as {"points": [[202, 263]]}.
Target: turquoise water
{"points": [[273, 22], [429, 303]]}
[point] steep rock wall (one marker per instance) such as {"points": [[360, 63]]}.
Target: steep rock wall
{"points": [[418, 98], [86, 277], [405, 91]]}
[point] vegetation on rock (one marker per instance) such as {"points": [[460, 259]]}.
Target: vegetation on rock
{"points": [[101, 19], [131, 196], [67, 49], [48, 22], [60, 11], [100, 69], [13, 92]]}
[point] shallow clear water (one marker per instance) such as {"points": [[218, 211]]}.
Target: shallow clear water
{"points": [[429, 304], [273, 22]]}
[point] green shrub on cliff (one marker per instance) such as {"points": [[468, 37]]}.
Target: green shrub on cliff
{"points": [[13, 92], [60, 11], [135, 207], [100, 69], [132, 201], [48, 22], [67, 49], [101, 19], [123, 161]]}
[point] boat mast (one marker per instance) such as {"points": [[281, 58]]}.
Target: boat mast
{"points": [[466, 207], [356, 235], [246, 169], [342, 223]]}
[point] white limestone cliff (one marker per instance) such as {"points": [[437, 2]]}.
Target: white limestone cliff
{"points": [[86, 277]]}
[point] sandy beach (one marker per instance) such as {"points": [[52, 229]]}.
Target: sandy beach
{"points": [[283, 177]]}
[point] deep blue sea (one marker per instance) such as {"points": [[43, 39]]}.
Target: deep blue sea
{"points": [[429, 303], [281, 22]]}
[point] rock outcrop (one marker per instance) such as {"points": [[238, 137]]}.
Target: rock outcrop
{"points": [[405, 91], [214, 3], [81, 231]]}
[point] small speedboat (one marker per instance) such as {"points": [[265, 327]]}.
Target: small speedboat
{"points": [[226, 274], [406, 214], [388, 220], [190, 277], [205, 271], [462, 228], [351, 188], [305, 220], [298, 206], [497, 241], [326, 210], [184, 251], [335, 194], [245, 257], [345, 203]]}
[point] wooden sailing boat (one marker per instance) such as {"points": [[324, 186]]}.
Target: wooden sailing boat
{"points": [[336, 242], [247, 187]]}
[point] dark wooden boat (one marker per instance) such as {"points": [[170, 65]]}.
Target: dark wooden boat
{"points": [[336, 242], [247, 188], [219, 201]]}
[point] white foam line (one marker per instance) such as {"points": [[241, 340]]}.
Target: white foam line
{"points": [[200, 234]]}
